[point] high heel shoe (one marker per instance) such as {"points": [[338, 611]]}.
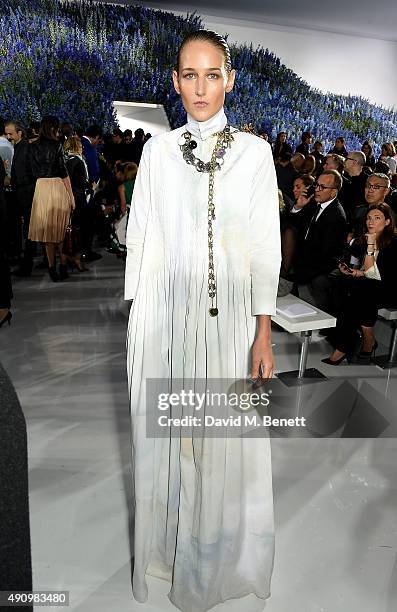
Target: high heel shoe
{"points": [[53, 274], [367, 355], [7, 318], [337, 362]]}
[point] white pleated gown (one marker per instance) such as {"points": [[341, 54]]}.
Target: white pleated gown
{"points": [[203, 507]]}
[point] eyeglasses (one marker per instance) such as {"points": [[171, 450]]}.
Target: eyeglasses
{"points": [[321, 187], [351, 159], [374, 186]]}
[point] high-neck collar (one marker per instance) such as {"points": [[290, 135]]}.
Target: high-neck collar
{"points": [[205, 129]]}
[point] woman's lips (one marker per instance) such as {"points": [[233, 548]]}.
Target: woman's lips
{"points": [[201, 104]]}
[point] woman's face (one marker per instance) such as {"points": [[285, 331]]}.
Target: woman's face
{"points": [[202, 80], [376, 222], [298, 188], [339, 143], [365, 149], [283, 137]]}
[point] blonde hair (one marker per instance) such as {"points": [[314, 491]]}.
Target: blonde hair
{"points": [[130, 171], [73, 145]]}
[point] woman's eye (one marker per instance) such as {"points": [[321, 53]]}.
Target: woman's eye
{"points": [[213, 75], [189, 75]]}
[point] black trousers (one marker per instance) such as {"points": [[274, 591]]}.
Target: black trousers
{"points": [[356, 301], [24, 197]]}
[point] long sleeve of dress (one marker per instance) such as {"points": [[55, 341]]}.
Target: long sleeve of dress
{"points": [[265, 249], [136, 227]]}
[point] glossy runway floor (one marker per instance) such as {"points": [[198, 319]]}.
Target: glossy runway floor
{"points": [[335, 499]]}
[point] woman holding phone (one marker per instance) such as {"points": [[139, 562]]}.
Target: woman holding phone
{"points": [[371, 285]]}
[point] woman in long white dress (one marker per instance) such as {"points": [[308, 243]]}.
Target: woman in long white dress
{"points": [[202, 271]]}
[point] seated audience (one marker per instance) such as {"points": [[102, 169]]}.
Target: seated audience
{"points": [[317, 153], [298, 160], [377, 188], [294, 224], [369, 156], [286, 174], [281, 146], [114, 150], [354, 193], [333, 161], [388, 156], [370, 286], [339, 147], [126, 187], [304, 146], [309, 166], [323, 242]]}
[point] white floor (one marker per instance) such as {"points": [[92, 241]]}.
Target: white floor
{"points": [[335, 499]]}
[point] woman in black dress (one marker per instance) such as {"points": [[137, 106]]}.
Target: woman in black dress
{"points": [[369, 287], [78, 174]]}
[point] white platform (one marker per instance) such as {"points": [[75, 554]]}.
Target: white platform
{"points": [[335, 500], [319, 320]]}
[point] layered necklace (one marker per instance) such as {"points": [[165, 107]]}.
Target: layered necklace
{"points": [[187, 145]]}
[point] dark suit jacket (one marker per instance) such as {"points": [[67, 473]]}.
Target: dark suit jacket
{"points": [[324, 244], [91, 157]]}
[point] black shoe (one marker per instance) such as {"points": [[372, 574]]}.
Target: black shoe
{"points": [[63, 272], [7, 319], [337, 362], [53, 274], [367, 355], [91, 256]]}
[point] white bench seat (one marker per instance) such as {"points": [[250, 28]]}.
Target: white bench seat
{"points": [[305, 325]]}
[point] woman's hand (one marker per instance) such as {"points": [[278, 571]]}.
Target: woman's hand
{"points": [[72, 204], [262, 358], [371, 240], [344, 268], [303, 200]]}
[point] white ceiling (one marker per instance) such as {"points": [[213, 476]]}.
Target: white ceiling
{"points": [[368, 18]]}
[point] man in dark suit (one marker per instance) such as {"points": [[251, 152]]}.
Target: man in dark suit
{"points": [[91, 139], [23, 185], [324, 242]]}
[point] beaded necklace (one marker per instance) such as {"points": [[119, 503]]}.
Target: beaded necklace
{"points": [[223, 142]]}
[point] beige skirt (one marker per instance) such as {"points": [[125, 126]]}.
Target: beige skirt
{"points": [[50, 211]]}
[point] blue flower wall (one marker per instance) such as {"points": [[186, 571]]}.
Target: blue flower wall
{"points": [[73, 59]]}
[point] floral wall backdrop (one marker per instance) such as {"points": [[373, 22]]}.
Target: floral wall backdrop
{"points": [[73, 59]]}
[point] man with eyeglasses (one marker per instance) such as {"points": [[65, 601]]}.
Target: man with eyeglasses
{"points": [[323, 244], [377, 188], [355, 192]]}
